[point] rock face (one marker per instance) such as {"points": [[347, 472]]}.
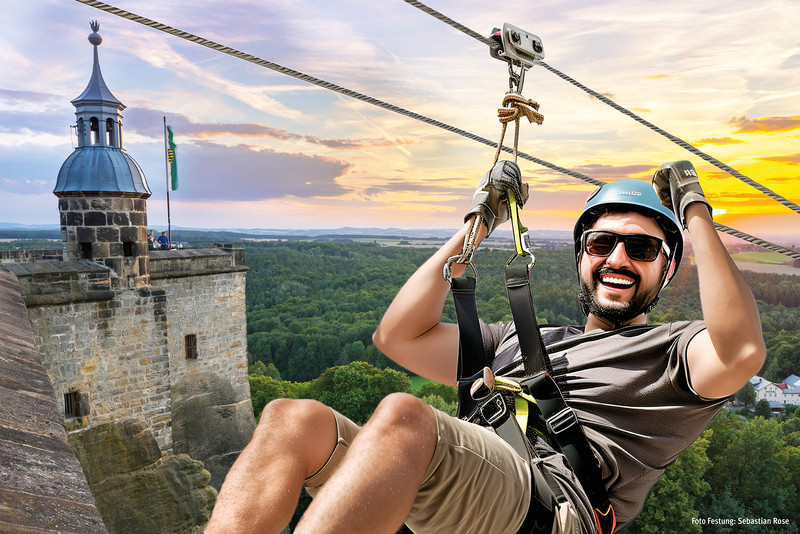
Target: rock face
{"points": [[135, 488], [42, 487], [210, 422]]}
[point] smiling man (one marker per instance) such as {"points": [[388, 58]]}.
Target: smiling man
{"points": [[640, 394], [627, 245]]}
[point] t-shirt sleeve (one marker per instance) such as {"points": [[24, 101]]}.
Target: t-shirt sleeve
{"points": [[679, 364]]}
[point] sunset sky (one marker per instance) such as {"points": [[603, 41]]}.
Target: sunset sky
{"points": [[258, 149]]}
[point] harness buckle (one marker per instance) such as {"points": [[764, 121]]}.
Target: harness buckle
{"points": [[493, 409], [561, 421]]}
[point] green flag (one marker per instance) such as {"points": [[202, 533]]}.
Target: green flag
{"points": [[173, 161]]}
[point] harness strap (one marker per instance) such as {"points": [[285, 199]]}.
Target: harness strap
{"points": [[534, 354], [491, 410], [471, 358], [563, 427], [557, 421], [560, 422]]}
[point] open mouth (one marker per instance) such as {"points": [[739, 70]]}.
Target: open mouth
{"points": [[616, 282]]}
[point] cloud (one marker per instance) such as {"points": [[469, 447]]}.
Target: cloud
{"points": [[717, 141], [149, 122], [438, 187], [27, 172], [21, 98], [25, 123], [209, 171], [603, 172], [790, 160], [767, 124]]}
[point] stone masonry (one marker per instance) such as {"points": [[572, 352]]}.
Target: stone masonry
{"points": [[122, 348]]}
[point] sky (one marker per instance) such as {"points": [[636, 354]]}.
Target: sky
{"points": [[259, 149]]}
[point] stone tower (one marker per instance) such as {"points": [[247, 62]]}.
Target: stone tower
{"points": [[146, 351], [102, 191]]}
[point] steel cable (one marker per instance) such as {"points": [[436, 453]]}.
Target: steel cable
{"points": [[379, 103], [678, 141], [322, 83]]}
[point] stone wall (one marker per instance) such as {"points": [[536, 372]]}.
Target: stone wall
{"points": [[212, 413], [108, 229], [206, 299], [108, 344], [171, 355]]}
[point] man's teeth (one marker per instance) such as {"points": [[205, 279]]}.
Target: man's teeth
{"points": [[617, 281]]}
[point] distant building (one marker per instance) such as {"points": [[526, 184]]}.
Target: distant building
{"points": [[786, 392]]}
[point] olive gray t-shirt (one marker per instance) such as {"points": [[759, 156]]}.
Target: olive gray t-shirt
{"points": [[630, 390]]}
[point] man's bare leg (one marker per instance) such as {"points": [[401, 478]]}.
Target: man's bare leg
{"points": [[293, 441], [374, 488]]}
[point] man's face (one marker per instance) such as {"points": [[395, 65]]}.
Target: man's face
{"points": [[616, 288]]}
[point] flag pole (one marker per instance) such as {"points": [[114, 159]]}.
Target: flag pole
{"points": [[166, 164]]}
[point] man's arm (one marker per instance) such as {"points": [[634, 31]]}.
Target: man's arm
{"points": [[410, 332], [731, 350]]}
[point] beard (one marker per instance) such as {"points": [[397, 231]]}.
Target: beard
{"points": [[621, 313]]}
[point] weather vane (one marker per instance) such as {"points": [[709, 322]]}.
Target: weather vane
{"points": [[94, 37]]}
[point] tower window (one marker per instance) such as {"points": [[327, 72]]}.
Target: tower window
{"points": [[191, 346], [109, 132], [127, 248], [72, 404], [94, 131], [85, 250]]}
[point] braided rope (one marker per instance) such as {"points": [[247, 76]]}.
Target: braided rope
{"points": [[513, 108], [450, 22]]}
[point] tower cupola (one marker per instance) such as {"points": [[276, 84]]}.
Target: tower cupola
{"points": [[102, 191]]}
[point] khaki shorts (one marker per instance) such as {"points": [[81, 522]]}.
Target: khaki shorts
{"points": [[475, 483]]}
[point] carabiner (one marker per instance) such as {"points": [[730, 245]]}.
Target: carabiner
{"points": [[522, 241]]}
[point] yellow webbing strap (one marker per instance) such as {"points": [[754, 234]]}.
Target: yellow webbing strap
{"points": [[521, 399], [516, 226]]}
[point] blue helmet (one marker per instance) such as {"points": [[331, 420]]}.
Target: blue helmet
{"points": [[633, 195]]}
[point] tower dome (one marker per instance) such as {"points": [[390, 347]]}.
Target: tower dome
{"points": [[99, 164], [101, 190]]}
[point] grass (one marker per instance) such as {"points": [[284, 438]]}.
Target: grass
{"points": [[765, 258]]}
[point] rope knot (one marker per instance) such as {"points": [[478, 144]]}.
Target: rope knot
{"points": [[516, 106]]}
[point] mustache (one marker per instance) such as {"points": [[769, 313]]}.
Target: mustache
{"points": [[603, 270]]}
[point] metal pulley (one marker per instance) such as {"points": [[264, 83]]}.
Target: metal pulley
{"points": [[518, 48]]}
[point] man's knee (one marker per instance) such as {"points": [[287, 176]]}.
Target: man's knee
{"points": [[404, 410], [295, 417]]}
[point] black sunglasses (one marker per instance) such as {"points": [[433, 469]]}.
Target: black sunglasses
{"points": [[638, 247]]}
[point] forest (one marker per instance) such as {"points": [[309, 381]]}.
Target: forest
{"points": [[313, 305], [312, 308]]}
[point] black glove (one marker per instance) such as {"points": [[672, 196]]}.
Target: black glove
{"points": [[491, 200], [677, 186]]}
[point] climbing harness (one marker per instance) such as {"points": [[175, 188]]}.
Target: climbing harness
{"points": [[533, 408]]}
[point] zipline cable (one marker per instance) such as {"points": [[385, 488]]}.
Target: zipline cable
{"points": [[379, 103], [678, 141], [322, 83], [758, 241]]}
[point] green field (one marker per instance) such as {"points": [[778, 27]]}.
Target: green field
{"points": [[766, 258]]}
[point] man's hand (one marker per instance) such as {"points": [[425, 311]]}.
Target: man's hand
{"points": [[677, 186], [491, 200]]}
